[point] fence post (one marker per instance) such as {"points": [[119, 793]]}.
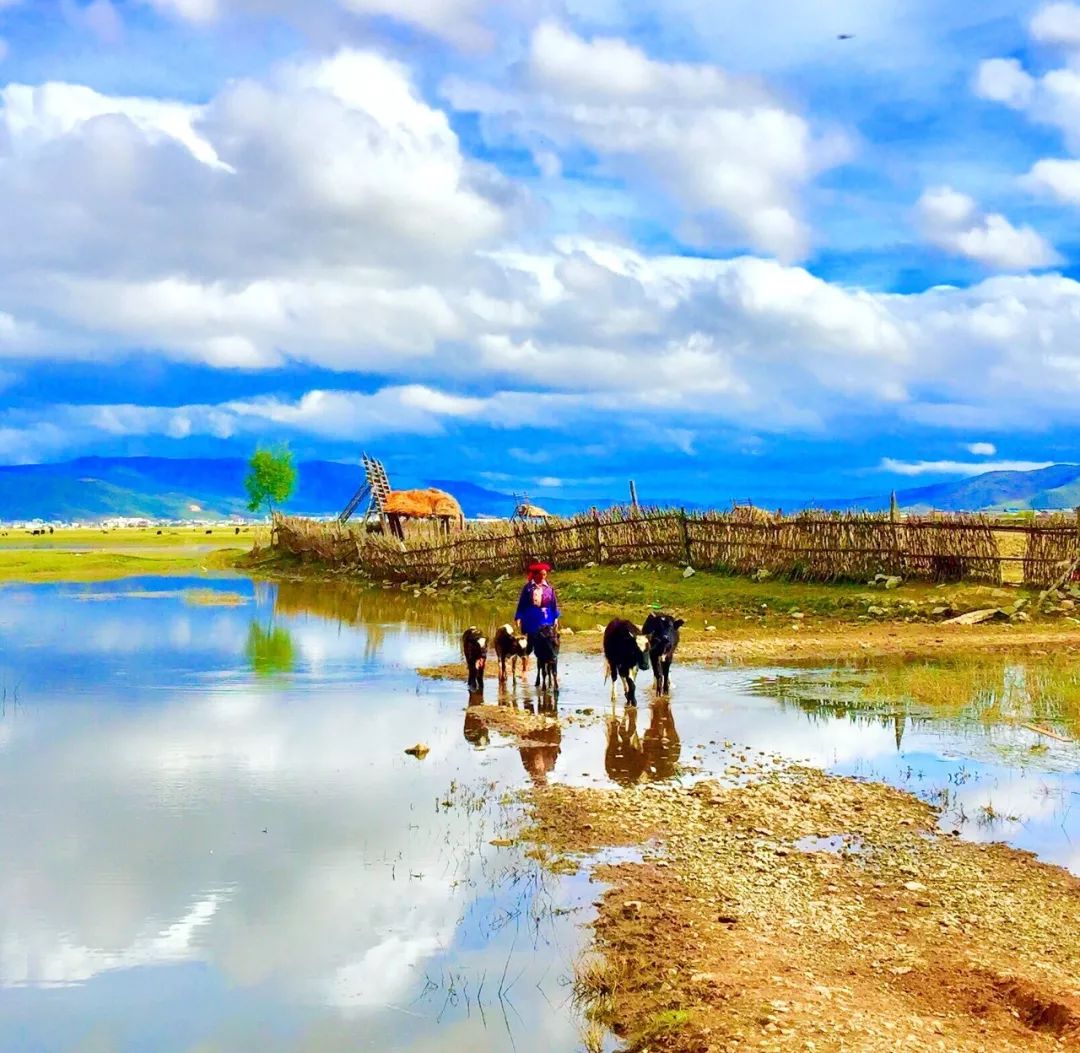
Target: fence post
{"points": [[684, 533], [598, 552]]}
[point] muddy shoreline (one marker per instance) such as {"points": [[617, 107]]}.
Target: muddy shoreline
{"points": [[778, 907], [811, 912]]}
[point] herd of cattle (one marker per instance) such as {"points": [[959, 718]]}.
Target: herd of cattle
{"points": [[626, 650]]}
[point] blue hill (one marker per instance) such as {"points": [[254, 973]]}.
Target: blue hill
{"points": [[92, 488]]}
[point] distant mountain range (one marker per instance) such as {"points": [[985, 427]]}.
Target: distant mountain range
{"points": [[1055, 487], [93, 488]]}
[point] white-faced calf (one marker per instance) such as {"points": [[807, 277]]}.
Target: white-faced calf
{"points": [[513, 647], [474, 648], [663, 633], [626, 650]]}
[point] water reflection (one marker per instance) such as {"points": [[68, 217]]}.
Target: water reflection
{"points": [[475, 730], [270, 651], [630, 758], [199, 861], [539, 750], [201, 856]]}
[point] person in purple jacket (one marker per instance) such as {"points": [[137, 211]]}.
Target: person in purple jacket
{"points": [[538, 605]]}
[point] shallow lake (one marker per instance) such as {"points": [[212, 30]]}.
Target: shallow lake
{"points": [[212, 839]]}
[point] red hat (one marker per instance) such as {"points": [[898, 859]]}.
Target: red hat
{"points": [[539, 566]]}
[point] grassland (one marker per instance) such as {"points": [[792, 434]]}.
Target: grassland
{"points": [[97, 555]]}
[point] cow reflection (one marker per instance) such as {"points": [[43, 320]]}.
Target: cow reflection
{"points": [[631, 758], [475, 730], [539, 750]]}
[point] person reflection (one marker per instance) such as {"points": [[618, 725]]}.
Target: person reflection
{"points": [[628, 758], [539, 750], [475, 730]]}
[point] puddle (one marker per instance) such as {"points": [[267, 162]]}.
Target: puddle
{"points": [[831, 844], [213, 837]]}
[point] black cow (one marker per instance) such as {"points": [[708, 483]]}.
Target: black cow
{"points": [[545, 644], [663, 633], [511, 646], [474, 648], [626, 650]]}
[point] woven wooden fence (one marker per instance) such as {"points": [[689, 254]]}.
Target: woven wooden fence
{"points": [[810, 546], [1051, 548]]}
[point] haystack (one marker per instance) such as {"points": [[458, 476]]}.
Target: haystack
{"points": [[422, 504], [527, 511], [751, 514]]}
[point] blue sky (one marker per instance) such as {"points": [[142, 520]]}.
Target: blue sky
{"points": [[546, 246]]}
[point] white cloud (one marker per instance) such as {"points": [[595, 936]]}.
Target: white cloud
{"points": [[954, 222], [414, 409], [198, 11], [981, 449], [965, 468], [98, 17], [1052, 98], [1005, 81], [33, 118], [315, 209], [729, 153], [1059, 177], [1057, 23], [327, 215], [456, 21]]}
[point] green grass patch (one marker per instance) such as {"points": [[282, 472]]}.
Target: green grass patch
{"points": [[134, 537], [52, 564], [668, 1020], [725, 596], [1043, 691]]}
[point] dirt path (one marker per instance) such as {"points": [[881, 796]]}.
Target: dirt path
{"points": [[729, 937], [837, 641]]}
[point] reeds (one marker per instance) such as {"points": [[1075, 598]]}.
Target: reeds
{"points": [[810, 546]]}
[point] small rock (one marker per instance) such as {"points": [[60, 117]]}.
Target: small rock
{"points": [[501, 842], [797, 615], [567, 631], [893, 582], [689, 572], [875, 611], [990, 614], [419, 751], [631, 908], [914, 886]]}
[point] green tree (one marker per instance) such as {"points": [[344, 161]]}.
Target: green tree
{"points": [[270, 479]]}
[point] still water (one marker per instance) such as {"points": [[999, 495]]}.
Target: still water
{"points": [[212, 840]]}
